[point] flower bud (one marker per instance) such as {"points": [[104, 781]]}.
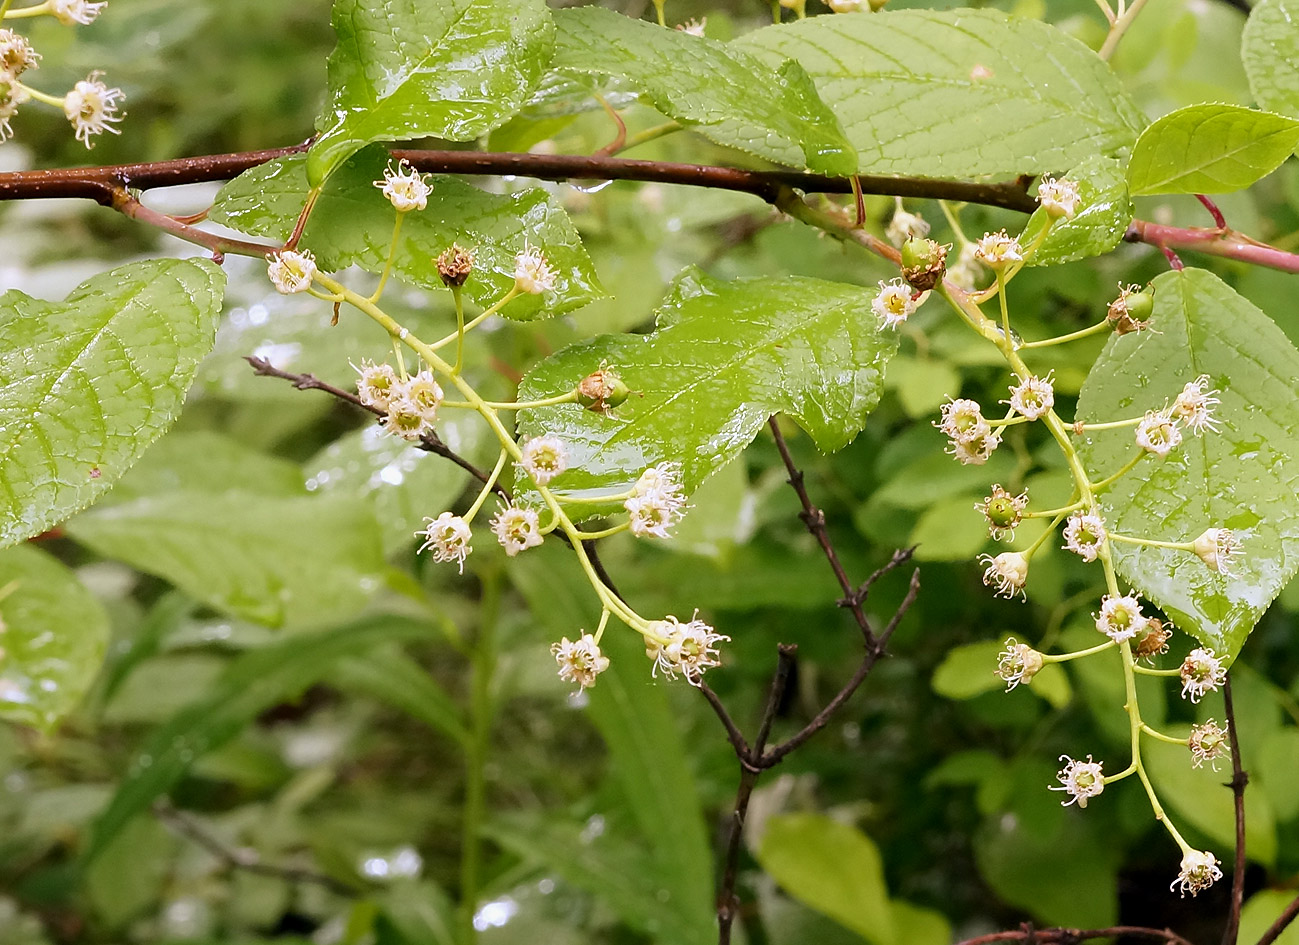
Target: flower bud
{"points": [[1216, 547], [923, 263], [601, 391]]}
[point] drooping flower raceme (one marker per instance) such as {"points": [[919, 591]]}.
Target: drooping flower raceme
{"points": [[92, 106], [580, 660], [449, 536], [1081, 780]]}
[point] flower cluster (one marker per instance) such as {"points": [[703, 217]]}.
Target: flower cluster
{"points": [[685, 648], [410, 406], [657, 501], [972, 439], [1081, 780]]}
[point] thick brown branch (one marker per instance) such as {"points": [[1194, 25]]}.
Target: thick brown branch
{"points": [[1073, 936], [1238, 781]]}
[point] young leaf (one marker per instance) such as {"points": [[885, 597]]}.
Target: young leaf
{"points": [[726, 356], [1210, 149], [254, 682], [958, 92], [52, 638], [352, 225], [1238, 477], [724, 93], [273, 559], [411, 69], [1099, 224], [1270, 52], [832, 867], [91, 381]]}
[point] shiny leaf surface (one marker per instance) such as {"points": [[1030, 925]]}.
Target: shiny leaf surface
{"points": [[1270, 51], [1099, 223]]}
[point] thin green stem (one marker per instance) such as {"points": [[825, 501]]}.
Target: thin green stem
{"points": [[649, 134], [1152, 543], [1127, 772], [1154, 733], [39, 10], [1109, 425], [460, 329], [392, 254], [1008, 421], [1118, 28], [1147, 671], [1007, 345], [954, 222], [1047, 533], [1049, 513], [36, 94], [487, 487], [595, 499], [604, 533], [1072, 336], [475, 322], [569, 398], [1123, 471], [658, 8], [604, 620], [1077, 654]]}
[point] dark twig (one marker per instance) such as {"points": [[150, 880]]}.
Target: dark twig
{"points": [[1281, 924], [733, 733], [242, 858], [1237, 784], [1074, 936]]}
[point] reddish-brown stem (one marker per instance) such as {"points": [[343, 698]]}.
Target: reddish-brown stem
{"points": [[1237, 784], [1229, 244], [620, 137], [1219, 220], [1073, 936], [1173, 259], [122, 200]]}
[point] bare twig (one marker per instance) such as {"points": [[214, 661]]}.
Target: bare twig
{"points": [[1218, 219], [1281, 924], [242, 858], [1211, 240], [1074, 936], [1237, 784]]}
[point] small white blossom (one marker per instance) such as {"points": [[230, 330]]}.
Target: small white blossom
{"points": [[517, 529], [1202, 672], [377, 384], [580, 660], [1199, 871], [1032, 397], [92, 106], [426, 394], [657, 501], [664, 480], [11, 96], [968, 271], [1084, 534], [1158, 433], [976, 450], [962, 420], [532, 274], [1003, 512], [1018, 663], [544, 458], [448, 535], [1059, 198], [1194, 405], [406, 188], [76, 11], [1120, 618], [16, 55], [998, 250], [1217, 547], [694, 27], [1208, 743], [291, 271], [903, 226], [1008, 572], [405, 417], [1081, 780], [686, 648], [894, 304]]}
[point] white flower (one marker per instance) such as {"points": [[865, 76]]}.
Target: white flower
{"points": [[580, 661], [1033, 397], [1084, 534], [448, 535], [532, 274], [517, 529], [1158, 433], [405, 417], [975, 451], [291, 272], [11, 96], [377, 384], [1003, 512], [657, 501], [1201, 672], [1194, 405], [76, 11], [1008, 572], [903, 226], [1018, 663], [1081, 780], [968, 271], [1199, 871], [426, 394], [405, 187], [1208, 742], [92, 106], [686, 648], [962, 420], [16, 55], [544, 458], [1120, 618], [1059, 198], [1216, 547], [664, 480], [998, 250], [894, 304], [693, 27]]}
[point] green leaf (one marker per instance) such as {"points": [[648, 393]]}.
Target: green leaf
{"points": [[1237, 478], [647, 754], [958, 92], [272, 559], [91, 381], [1270, 52], [204, 461], [53, 634], [250, 685], [1210, 149], [395, 678], [352, 225], [971, 670], [1099, 224], [831, 867], [1261, 910], [725, 357], [722, 92], [410, 69]]}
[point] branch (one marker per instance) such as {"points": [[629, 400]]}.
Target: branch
{"points": [[1237, 784], [1214, 241], [1073, 936], [1281, 924], [242, 858]]}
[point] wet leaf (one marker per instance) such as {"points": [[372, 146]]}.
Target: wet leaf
{"points": [[1270, 51], [1098, 225]]}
